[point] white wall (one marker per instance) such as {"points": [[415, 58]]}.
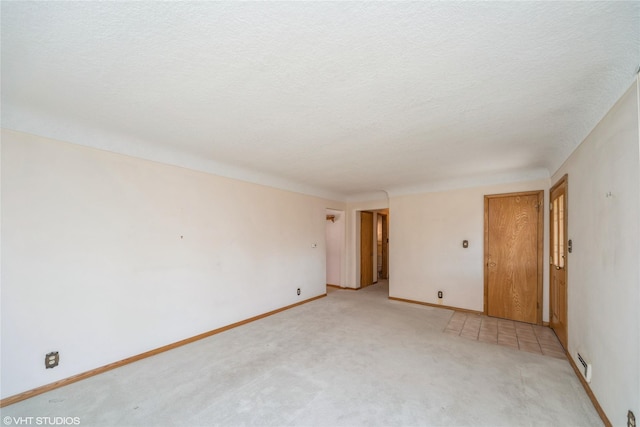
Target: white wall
{"points": [[106, 256], [603, 274], [335, 237], [426, 253]]}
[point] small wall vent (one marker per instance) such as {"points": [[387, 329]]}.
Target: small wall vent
{"points": [[586, 367]]}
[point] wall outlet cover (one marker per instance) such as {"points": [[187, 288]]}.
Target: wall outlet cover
{"points": [[51, 360]]}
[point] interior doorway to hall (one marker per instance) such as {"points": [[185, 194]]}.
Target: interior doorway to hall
{"points": [[335, 243], [374, 246]]}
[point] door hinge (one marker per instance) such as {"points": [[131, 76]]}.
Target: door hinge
{"points": [[550, 206], [550, 260]]}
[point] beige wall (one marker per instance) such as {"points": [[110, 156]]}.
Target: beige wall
{"points": [[106, 256], [603, 270], [335, 238], [426, 253]]}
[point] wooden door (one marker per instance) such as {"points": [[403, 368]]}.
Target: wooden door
{"points": [[513, 256], [366, 249], [558, 271]]}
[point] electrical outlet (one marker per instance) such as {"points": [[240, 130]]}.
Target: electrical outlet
{"points": [[51, 360], [298, 291]]}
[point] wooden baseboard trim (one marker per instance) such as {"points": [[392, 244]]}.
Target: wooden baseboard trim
{"points": [[586, 387], [343, 287], [70, 380], [464, 310]]}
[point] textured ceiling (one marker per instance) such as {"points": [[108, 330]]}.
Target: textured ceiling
{"points": [[329, 98]]}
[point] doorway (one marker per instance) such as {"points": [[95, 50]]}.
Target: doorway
{"points": [[558, 246], [513, 256], [374, 246]]}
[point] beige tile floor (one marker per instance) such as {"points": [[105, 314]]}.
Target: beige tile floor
{"points": [[517, 335]]}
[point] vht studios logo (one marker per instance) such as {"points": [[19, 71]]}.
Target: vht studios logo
{"points": [[41, 421]]}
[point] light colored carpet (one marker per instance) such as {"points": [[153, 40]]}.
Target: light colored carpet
{"points": [[350, 359]]}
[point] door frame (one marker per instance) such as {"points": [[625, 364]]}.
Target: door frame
{"points": [[370, 258], [540, 247], [564, 181], [385, 246]]}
